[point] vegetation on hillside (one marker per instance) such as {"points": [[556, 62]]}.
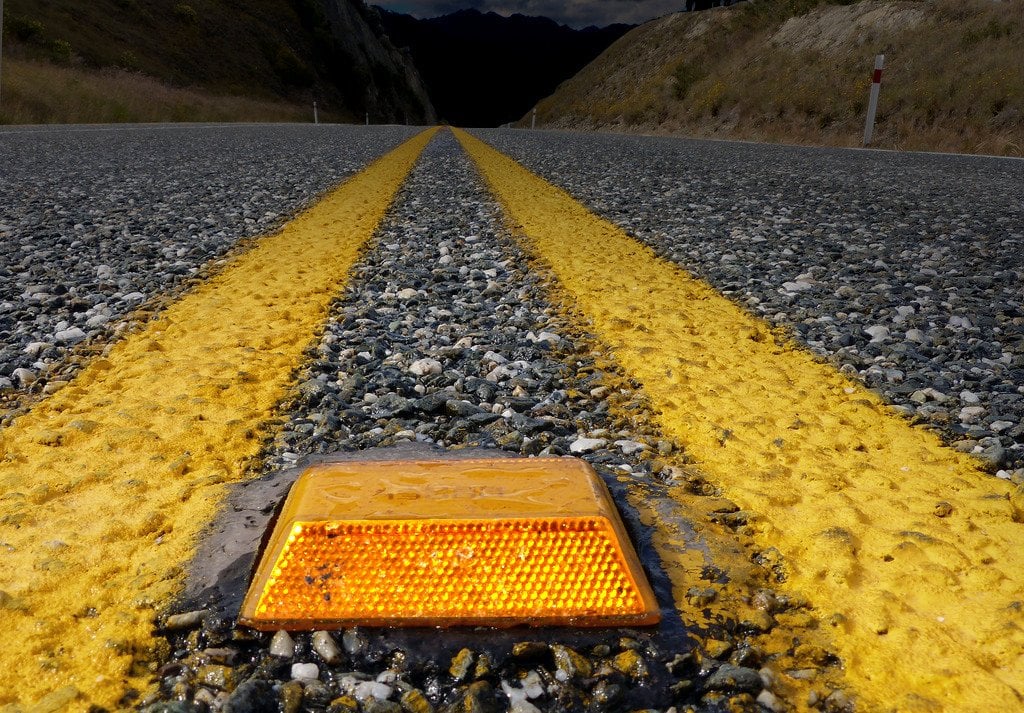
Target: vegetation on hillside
{"points": [[800, 71], [41, 93], [291, 51]]}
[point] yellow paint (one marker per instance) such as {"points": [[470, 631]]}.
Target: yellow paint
{"points": [[927, 610], [690, 541], [104, 486]]}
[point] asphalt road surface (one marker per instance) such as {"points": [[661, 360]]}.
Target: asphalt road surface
{"points": [[799, 371]]}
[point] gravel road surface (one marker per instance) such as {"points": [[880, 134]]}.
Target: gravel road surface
{"points": [[905, 270]]}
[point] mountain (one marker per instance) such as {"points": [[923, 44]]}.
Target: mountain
{"points": [[482, 69], [799, 71], [332, 51]]}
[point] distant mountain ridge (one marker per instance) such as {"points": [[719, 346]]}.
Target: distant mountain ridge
{"points": [[483, 69], [332, 51]]}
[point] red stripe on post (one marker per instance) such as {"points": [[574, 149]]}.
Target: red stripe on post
{"points": [[877, 78]]}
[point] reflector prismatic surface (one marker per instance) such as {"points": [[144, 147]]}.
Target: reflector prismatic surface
{"points": [[501, 542]]}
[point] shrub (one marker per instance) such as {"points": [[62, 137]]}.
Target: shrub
{"points": [[686, 75], [291, 69], [26, 30], [128, 60], [186, 13], [60, 51]]}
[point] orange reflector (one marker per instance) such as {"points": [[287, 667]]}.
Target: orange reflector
{"points": [[495, 542]]}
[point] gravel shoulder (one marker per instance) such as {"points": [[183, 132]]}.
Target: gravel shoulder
{"points": [[903, 270]]}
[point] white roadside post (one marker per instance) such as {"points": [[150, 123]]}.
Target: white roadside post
{"points": [[367, 118], [316, 116], [533, 125], [876, 85]]}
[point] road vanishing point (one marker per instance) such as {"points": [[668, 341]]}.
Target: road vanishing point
{"points": [[800, 372]]}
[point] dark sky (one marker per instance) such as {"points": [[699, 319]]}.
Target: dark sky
{"points": [[575, 13]]}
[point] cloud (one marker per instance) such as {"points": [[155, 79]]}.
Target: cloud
{"points": [[576, 13]]}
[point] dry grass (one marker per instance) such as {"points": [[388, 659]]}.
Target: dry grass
{"points": [[954, 80], [42, 93]]}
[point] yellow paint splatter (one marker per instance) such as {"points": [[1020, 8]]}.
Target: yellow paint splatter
{"points": [[104, 486], [928, 610]]}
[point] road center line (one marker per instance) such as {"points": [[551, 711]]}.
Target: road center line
{"points": [[904, 545], [105, 485]]}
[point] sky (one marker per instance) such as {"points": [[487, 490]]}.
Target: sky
{"points": [[575, 13]]}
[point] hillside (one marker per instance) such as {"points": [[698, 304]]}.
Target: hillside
{"points": [[800, 70], [295, 51], [482, 69]]}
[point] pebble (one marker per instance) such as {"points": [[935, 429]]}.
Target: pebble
{"points": [[326, 648], [305, 671], [282, 645], [734, 678], [424, 367], [186, 620], [372, 689], [587, 445]]}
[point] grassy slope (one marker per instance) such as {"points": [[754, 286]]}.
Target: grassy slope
{"points": [[800, 70], [205, 45], [39, 93]]}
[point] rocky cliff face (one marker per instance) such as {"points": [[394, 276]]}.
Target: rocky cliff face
{"points": [[379, 78]]}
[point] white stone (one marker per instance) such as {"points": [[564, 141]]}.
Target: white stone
{"points": [[305, 671], [407, 294], [69, 336], [32, 349], [902, 313], [877, 332], [586, 445], [797, 286], [969, 397], [768, 699], [282, 645], [971, 414], [936, 395], [423, 367], [372, 689], [629, 447], [533, 685], [1000, 426], [325, 646], [133, 297], [915, 335]]}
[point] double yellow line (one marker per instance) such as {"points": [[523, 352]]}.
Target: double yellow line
{"points": [[910, 554]]}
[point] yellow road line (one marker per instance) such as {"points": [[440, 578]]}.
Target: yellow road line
{"points": [[912, 553], [104, 486]]}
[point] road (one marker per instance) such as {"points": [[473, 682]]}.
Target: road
{"points": [[809, 545]]}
